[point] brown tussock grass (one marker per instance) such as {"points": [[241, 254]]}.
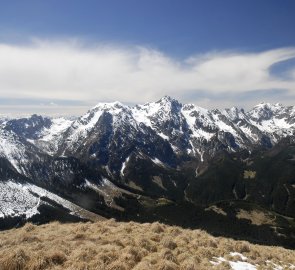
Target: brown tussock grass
{"points": [[256, 217], [111, 245]]}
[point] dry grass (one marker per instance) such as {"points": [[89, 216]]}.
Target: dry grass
{"points": [[216, 209], [256, 217], [111, 245], [249, 174]]}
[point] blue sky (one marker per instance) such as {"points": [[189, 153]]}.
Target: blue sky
{"points": [[207, 47]]}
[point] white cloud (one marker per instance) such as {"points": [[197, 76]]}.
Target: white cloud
{"points": [[71, 71]]}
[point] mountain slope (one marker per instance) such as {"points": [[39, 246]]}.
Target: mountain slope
{"points": [[124, 246]]}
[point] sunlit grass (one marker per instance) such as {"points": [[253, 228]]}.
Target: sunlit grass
{"points": [[111, 245]]}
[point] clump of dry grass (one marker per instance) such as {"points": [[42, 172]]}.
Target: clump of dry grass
{"points": [[111, 245], [14, 260]]}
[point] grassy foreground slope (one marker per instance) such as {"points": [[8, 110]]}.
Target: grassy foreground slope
{"points": [[111, 245]]}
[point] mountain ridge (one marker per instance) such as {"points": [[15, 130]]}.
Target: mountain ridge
{"points": [[132, 162]]}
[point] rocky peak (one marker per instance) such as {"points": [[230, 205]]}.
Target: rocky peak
{"points": [[265, 111]]}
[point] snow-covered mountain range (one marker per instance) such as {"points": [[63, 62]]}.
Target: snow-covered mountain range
{"points": [[183, 130], [158, 149]]}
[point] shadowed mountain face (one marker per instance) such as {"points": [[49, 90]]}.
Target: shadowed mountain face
{"points": [[167, 161]]}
